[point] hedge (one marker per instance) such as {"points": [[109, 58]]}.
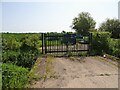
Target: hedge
{"points": [[114, 47], [102, 43]]}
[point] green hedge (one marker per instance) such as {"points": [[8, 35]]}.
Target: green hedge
{"points": [[114, 47], [102, 43], [14, 76]]}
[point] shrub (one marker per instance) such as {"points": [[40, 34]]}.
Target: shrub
{"points": [[100, 42], [114, 47], [26, 59], [22, 51], [14, 76], [10, 56], [10, 43]]}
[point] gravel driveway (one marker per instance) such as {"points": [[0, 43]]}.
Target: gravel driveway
{"points": [[88, 72]]}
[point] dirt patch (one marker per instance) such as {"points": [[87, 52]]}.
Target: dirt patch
{"points": [[87, 72]]}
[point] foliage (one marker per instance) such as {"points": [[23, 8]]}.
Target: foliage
{"points": [[10, 56], [99, 42], [102, 43], [14, 76], [20, 50], [112, 26], [83, 23], [114, 47], [10, 43], [82, 54], [0, 76]]}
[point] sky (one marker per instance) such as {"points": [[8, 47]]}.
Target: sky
{"points": [[23, 16]]}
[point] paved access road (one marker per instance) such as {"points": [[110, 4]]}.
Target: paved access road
{"points": [[88, 72]]}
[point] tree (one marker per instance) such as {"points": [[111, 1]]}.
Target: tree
{"points": [[83, 23], [112, 26]]}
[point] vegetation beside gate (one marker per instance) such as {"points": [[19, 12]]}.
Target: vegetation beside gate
{"points": [[19, 52], [102, 43]]}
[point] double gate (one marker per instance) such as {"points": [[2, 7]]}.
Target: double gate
{"points": [[59, 44]]}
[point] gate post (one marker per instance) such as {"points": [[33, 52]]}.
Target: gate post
{"points": [[90, 43], [67, 48], [42, 43], [45, 42]]}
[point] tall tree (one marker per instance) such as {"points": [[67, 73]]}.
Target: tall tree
{"points": [[112, 26], [83, 23]]}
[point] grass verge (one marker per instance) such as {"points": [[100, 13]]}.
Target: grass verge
{"points": [[42, 69], [49, 72]]}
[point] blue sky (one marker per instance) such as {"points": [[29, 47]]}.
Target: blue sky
{"points": [[52, 16]]}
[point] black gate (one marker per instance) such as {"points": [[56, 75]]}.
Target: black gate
{"points": [[59, 44]]}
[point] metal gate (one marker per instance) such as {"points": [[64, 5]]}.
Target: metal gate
{"points": [[59, 44]]}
